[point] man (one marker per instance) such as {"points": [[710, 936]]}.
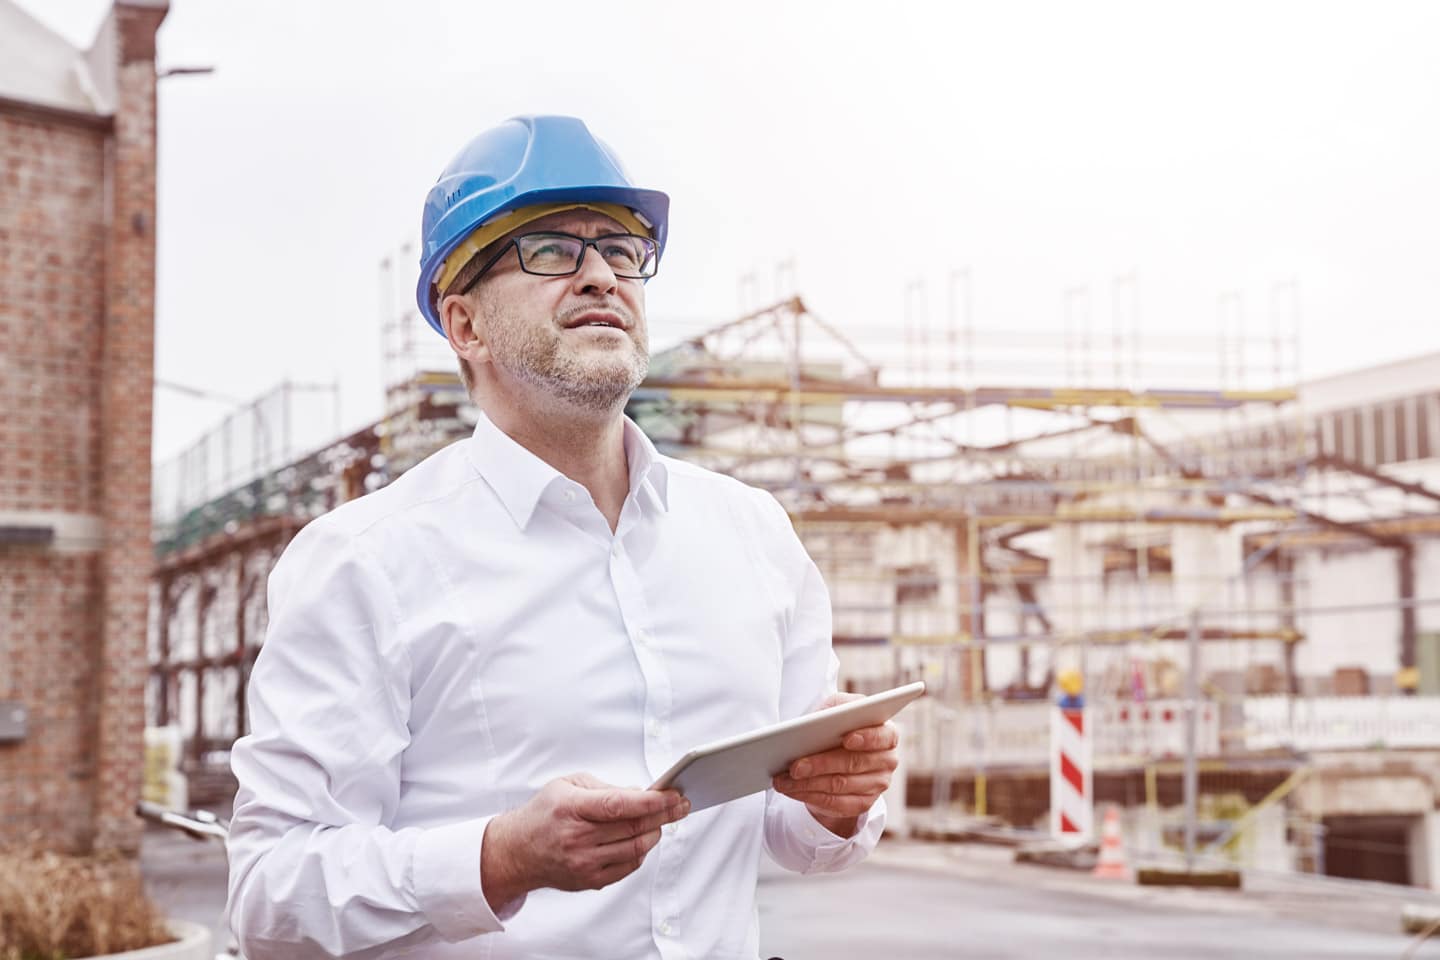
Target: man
{"points": [[546, 597]]}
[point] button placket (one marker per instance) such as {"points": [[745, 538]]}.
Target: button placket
{"points": [[635, 614], [666, 907]]}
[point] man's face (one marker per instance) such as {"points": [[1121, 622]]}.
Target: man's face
{"points": [[580, 338]]}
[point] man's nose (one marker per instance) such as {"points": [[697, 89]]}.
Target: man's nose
{"points": [[594, 275]]}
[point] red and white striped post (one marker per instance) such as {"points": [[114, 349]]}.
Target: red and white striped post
{"points": [[1072, 801]]}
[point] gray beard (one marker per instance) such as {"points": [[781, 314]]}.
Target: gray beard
{"points": [[581, 386], [534, 357]]}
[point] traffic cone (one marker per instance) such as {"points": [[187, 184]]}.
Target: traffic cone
{"points": [[1111, 865]]}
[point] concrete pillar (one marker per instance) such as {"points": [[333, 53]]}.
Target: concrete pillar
{"points": [[1078, 570], [1425, 851], [1265, 845], [1077, 591], [1203, 558]]}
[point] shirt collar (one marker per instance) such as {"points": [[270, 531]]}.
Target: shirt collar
{"points": [[647, 468], [520, 479]]}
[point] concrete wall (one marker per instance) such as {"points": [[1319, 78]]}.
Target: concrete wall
{"points": [[1369, 639], [1398, 379]]}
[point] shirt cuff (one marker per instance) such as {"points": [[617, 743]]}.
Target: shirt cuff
{"points": [[446, 870], [829, 851]]}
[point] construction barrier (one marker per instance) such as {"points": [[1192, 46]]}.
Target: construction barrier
{"points": [[1017, 735], [1154, 730], [1072, 803], [1341, 723]]}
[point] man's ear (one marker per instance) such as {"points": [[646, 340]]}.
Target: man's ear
{"points": [[458, 318]]}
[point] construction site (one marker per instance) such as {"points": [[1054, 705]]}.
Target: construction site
{"points": [[1046, 412], [1233, 560]]}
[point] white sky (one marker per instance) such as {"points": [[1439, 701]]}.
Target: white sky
{"points": [[1210, 147]]}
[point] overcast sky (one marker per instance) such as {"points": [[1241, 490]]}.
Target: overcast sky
{"points": [[1208, 147]]}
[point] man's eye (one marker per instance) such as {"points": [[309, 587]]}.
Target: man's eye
{"points": [[622, 251]]}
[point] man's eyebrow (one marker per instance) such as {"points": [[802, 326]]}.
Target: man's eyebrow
{"points": [[601, 229]]}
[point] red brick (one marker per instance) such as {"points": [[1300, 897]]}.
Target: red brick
{"points": [[77, 292]]}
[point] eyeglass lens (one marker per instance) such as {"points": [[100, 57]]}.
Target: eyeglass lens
{"points": [[557, 254]]}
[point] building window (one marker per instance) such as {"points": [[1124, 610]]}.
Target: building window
{"points": [[916, 585]]}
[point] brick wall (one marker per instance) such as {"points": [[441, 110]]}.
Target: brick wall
{"points": [[77, 251], [127, 391], [52, 255], [49, 645]]}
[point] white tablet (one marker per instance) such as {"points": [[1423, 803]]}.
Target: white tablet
{"points": [[744, 764]]}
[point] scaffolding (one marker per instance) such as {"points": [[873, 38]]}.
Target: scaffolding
{"points": [[965, 491], [987, 507]]}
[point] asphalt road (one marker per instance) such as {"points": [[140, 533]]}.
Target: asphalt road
{"points": [[877, 911], [915, 901]]}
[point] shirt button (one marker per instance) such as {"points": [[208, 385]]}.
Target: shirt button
{"points": [[654, 727], [569, 496], [670, 828], [615, 550], [665, 927], [643, 636]]}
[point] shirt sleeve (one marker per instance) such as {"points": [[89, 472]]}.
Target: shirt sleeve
{"points": [[794, 839], [314, 868]]}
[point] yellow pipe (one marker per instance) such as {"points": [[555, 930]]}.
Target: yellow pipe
{"points": [[1247, 819]]}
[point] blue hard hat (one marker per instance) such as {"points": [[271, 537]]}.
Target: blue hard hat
{"points": [[523, 161]]}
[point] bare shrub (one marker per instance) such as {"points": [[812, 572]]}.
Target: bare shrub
{"points": [[57, 907]]}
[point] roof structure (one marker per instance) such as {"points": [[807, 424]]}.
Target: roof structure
{"points": [[39, 67]]}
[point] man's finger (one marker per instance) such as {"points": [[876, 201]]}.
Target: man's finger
{"points": [[832, 806], [585, 780], [842, 761], [614, 872], [616, 803], [631, 850], [625, 829], [883, 737], [868, 784], [837, 698]]}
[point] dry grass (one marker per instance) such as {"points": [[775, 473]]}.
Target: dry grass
{"points": [[56, 907]]}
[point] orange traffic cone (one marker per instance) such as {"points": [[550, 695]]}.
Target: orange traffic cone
{"points": [[1111, 865]]}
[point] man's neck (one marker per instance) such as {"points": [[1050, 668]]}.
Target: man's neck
{"points": [[588, 447]]}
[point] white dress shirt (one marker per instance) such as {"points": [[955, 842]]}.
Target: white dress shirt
{"points": [[442, 648]]}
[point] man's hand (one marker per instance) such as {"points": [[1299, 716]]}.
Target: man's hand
{"points": [[575, 834], [837, 786]]}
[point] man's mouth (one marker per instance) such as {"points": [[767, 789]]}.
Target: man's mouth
{"points": [[597, 318]]}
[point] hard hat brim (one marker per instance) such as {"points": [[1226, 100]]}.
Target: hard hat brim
{"points": [[652, 205]]}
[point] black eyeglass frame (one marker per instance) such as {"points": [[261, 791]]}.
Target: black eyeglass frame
{"points": [[585, 244]]}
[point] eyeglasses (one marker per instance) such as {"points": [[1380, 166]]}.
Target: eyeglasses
{"points": [[629, 256]]}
